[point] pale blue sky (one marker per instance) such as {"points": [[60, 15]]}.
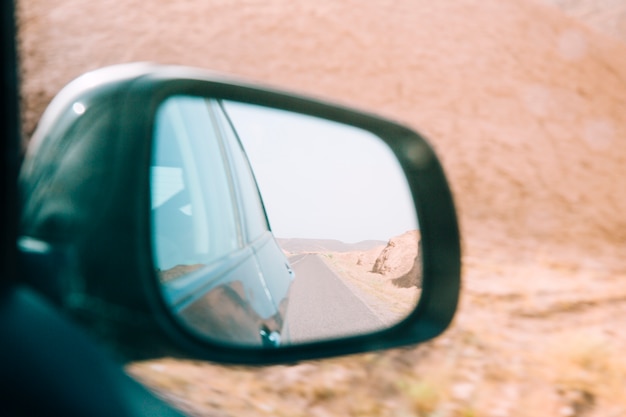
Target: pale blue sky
{"points": [[321, 179]]}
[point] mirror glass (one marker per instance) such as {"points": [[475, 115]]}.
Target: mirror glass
{"points": [[272, 228]]}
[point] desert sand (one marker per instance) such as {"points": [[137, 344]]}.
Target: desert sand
{"points": [[523, 100]]}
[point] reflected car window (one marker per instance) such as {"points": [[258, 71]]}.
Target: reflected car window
{"points": [[194, 218]]}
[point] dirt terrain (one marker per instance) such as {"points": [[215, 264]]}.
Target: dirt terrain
{"points": [[523, 100], [546, 343]]}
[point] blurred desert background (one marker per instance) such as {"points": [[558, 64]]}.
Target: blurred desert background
{"points": [[524, 102]]}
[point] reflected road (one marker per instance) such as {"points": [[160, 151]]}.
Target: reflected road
{"points": [[321, 306]]}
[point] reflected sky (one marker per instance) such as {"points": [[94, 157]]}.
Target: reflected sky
{"points": [[321, 179]]}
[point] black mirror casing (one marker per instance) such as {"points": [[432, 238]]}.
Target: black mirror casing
{"points": [[78, 170], [86, 199]]}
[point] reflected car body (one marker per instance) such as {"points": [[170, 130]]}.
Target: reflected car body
{"points": [[221, 269]]}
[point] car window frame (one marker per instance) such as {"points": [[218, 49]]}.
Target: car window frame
{"points": [[248, 210]]}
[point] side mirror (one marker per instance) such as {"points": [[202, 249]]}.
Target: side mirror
{"points": [[236, 223]]}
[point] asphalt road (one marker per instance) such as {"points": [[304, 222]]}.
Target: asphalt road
{"points": [[321, 306]]}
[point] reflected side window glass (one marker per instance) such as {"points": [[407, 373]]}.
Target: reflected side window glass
{"points": [[193, 215]]}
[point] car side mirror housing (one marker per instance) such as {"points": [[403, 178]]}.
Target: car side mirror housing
{"points": [[168, 209]]}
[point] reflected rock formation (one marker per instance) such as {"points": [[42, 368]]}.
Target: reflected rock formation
{"points": [[401, 260]]}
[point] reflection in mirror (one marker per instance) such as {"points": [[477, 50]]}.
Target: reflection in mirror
{"points": [[342, 256]]}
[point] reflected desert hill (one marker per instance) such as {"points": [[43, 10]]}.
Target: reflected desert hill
{"points": [[302, 245], [398, 260], [385, 277]]}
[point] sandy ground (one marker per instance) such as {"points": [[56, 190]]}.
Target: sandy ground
{"points": [[547, 343], [525, 104]]}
